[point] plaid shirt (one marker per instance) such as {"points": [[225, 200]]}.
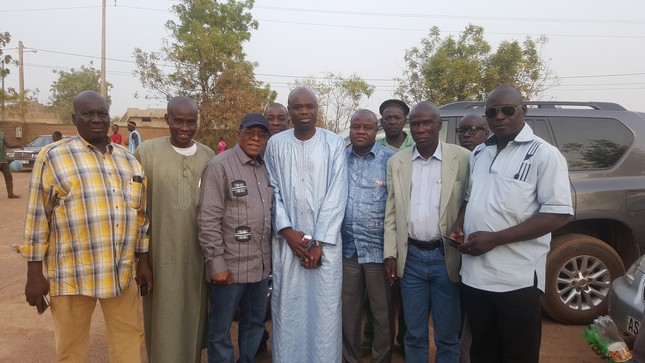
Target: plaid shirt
{"points": [[86, 218]]}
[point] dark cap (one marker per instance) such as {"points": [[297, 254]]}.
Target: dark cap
{"points": [[394, 102], [254, 119]]}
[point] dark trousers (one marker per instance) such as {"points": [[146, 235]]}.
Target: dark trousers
{"points": [[505, 326], [8, 178], [252, 300], [359, 280]]}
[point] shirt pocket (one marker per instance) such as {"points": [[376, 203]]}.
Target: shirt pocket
{"points": [[135, 194]]}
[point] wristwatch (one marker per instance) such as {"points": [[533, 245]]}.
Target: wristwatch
{"points": [[316, 243]]}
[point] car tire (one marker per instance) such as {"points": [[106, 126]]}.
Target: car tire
{"points": [[579, 272]]}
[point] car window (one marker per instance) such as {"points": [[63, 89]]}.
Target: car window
{"points": [[591, 143], [41, 141]]}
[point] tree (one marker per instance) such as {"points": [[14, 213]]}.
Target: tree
{"points": [[69, 84], [463, 68], [338, 97], [207, 62], [10, 100]]}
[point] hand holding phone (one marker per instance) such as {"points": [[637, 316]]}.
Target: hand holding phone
{"points": [[453, 242], [45, 305]]}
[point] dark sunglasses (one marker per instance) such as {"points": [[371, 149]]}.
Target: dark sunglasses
{"points": [[509, 110], [471, 130]]}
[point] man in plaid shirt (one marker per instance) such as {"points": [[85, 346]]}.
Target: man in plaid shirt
{"points": [[86, 221]]}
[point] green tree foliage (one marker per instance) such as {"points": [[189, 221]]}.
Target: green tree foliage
{"points": [[338, 97], [461, 68], [71, 83], [11, 103], [206, 61]]}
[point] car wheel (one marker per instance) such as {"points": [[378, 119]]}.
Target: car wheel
{"points": [[579, 272]]}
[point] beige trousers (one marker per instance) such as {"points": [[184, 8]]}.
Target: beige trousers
{"points": [[72, 317]]}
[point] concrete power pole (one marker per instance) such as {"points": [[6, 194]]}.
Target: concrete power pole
{"points": [[103, 84], [21, 71]]}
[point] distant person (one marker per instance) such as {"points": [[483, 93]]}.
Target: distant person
{"points": [[221, 146], [518, 193], [278, 118], [57, 136], [134, 140], [426, 186], [175, 311], [472, 130], [116, 137], [362, 234], [235, 234], [4, 165], [393, 117], [308, 170], [85, 236]]}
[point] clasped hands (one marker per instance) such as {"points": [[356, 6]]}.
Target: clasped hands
{"points": [[309, 257]]}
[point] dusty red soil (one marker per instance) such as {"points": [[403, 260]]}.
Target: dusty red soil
{"points": [[27, 337]]}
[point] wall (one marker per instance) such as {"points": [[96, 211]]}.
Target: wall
{"points": [[32, 129]]}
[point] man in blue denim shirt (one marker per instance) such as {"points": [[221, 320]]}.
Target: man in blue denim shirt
{"points": [[362, 233]]}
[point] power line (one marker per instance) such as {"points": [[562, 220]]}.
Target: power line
{"points": [[461, 17], [367, 13]]}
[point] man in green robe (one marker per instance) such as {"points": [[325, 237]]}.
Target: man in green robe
{"points": [[174, 311]]}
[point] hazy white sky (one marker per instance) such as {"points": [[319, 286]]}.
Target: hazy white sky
{"points": [[596, 47]]}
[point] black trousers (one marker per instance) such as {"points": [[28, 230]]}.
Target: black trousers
{"points": [[506, 326]]}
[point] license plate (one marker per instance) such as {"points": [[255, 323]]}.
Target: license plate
{"points": [[633, 325], [24, 162]]}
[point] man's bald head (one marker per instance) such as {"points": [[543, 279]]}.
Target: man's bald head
{"points": [[181, 102], [296, 92], [508, 92], [85, 96]]}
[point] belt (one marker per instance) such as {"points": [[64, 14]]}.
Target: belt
{"points": [[426, 245]]}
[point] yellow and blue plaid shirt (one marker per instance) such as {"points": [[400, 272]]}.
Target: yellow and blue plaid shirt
{"points": [[86, 218]]}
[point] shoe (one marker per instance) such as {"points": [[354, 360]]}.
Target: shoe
{"points": [[14, 196]]}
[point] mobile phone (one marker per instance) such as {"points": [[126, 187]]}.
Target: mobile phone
{"points": [[451, 241], [144, 288], [46, 300]]}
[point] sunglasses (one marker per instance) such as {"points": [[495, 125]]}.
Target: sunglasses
{"points": [[472, 130], [509, 110]]}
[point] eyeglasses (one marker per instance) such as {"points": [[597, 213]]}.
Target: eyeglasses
{"points": [[252, 135], [472, 130], [508, 110]]}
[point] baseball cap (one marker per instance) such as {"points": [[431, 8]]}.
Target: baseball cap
{"points": [[254, 119]]}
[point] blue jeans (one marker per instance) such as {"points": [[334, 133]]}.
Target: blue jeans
{"points": [[425, 287], [252, 300]]}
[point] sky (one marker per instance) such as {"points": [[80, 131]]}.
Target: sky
{"points": [[596, 47]]}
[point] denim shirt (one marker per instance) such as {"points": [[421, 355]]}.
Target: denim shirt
{"points": [[362, 229]]}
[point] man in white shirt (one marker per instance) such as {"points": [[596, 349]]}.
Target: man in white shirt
{"points": [[518, 193]]}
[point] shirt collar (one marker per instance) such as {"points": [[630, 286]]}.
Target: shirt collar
{"points": [[245, 158], [525, 135], [375, 148], [92, 147], [438, 154]]}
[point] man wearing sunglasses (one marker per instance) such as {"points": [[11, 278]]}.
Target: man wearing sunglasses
{"points": [[472, 131], [518, 193]]}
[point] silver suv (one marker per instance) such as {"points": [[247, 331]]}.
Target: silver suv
{"points": [[604, 145]]}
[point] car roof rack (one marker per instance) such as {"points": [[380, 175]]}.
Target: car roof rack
{"points": [[610, 106]]}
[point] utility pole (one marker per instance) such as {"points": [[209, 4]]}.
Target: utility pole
{"points": [[21, 71], [3, 94], [103, 84]]}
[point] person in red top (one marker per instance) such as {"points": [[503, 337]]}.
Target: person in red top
{"points": [[116, 136], [221, 146]]}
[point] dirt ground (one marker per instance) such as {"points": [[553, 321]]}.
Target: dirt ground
{"points": [[27, 337]]}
